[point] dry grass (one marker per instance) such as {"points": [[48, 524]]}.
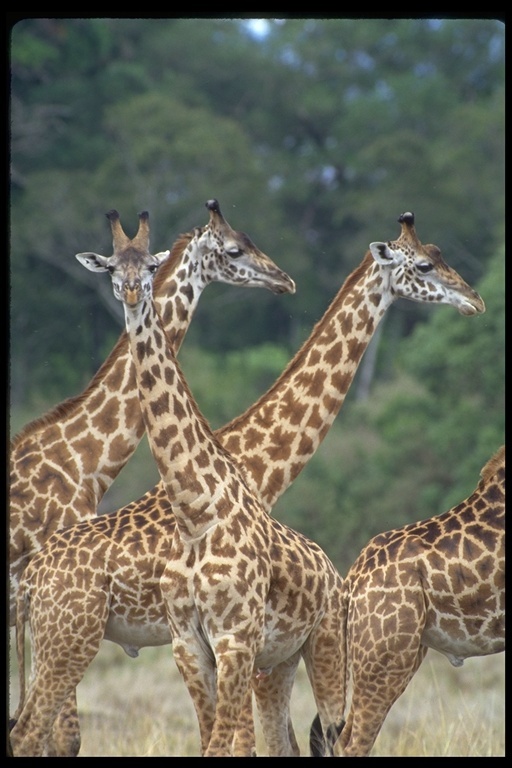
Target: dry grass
{"points": [[141, 708]]}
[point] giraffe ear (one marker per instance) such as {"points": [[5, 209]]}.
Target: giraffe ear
{"points": [[160, 257], [385, 255], [93, 261]]}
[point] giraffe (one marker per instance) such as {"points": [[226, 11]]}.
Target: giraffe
{"points": [[242, 592], [63, 462], [276, 436], [438, 583], [273, 440]]}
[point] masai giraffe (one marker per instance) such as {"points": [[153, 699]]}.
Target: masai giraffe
{"points": [[273, 440], [276, 437], [63, 462], [440, 584], [243, 592]]}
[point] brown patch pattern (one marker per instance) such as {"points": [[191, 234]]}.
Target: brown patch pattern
{"points": [[439, 583]]}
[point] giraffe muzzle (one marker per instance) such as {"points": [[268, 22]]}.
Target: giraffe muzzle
{"points": [[287, 285], [132, 296], [472, 305]]}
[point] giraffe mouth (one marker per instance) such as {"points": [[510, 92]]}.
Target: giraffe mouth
{"points": [[286, 286], [472, 306]]}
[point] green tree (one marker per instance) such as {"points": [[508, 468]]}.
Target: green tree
{"points": [[464, 372], [314, 139]]}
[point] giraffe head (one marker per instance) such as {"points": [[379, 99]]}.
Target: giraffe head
{"points": [[231, 257], [131, 266], [418, 272]]}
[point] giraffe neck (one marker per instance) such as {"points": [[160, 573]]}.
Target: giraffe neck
{"points": [[276, 437], [102, 427], [194, 469]]}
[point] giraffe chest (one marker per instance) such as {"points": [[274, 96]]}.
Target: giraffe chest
{"points": [[217, 582], [270, 593]]}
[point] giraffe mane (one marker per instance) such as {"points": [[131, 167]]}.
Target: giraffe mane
{"points": [[494, 463], [61, 410], [169, 266], [297, 359]]}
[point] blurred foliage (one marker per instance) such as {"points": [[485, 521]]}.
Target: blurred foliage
{"points": [[314, 138], [226, 384]]}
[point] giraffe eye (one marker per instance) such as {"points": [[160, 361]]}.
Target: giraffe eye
{"points": [[234, 252], [425, 267], [153, 268]]}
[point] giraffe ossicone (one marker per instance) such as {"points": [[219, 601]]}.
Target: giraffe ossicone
{"points": [[272, 442]]}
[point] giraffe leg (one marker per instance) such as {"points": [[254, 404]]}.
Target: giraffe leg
{"points": [[234, 672], [321, 745], [273, 693], [65, 737], [244, 743], [218, 682], [31, 736], [62, 650], [382, 662], [323, 659], [378, 680], [199, 675]]}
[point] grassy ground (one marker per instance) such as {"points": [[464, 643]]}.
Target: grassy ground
{"points": [[141, 708]]}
